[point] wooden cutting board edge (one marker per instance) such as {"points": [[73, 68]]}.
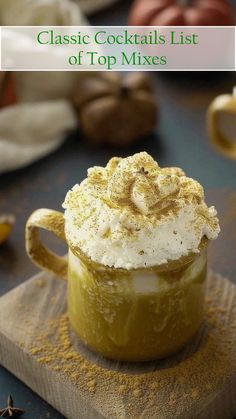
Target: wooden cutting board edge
{"points": [[36, 377], [70, 402]]}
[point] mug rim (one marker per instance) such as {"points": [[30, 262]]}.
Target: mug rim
{"points": [[173, 265]]}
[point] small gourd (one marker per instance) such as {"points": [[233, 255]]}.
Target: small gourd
{"points": [[116, 110], [6, 226]]}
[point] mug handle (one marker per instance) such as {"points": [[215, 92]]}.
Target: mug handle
{"points": [[53, 221], [222, 142]]}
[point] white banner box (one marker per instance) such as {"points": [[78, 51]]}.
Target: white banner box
{"points": [[120, 48]]}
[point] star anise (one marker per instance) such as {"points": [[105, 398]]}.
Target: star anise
{"points": [[10, 411]]}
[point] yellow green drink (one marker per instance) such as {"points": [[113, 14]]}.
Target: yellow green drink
{"points": [[137, 315]]}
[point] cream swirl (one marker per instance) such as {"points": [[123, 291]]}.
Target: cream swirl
{"points": [[132, 213]]}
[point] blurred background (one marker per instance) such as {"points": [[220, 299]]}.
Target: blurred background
{"points": [[177, 136]]}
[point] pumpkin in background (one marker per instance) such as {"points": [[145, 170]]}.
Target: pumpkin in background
{"points": [[115, 110], [7, 89], [181, 13]]}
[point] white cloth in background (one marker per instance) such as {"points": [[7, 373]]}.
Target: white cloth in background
{"points": [[46, 12], [40, 12], [29, 131], [92, 6]]}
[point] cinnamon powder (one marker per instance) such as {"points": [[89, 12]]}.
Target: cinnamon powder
{"points": [[196, 373]]}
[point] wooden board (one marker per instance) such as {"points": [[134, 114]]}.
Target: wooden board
{"points": [[36, 345]]}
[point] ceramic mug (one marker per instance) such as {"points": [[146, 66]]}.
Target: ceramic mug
{"points": [[128, 315], [221, 122]]}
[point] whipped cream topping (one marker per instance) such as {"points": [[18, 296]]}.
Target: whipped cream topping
{"points": [[133, 214]]}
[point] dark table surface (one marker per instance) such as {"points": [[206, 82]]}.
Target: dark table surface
{"points": [[180, 140]]}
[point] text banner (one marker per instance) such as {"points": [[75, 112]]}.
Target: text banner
{"points": [[120, 48]]}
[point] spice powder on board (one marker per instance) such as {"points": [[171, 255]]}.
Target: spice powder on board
{"points": [[174, 386]]}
